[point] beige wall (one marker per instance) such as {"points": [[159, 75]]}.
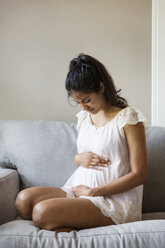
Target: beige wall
{"points": [[38, 38]]}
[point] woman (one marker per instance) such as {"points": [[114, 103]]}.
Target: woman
{"points": [[107, 187]]}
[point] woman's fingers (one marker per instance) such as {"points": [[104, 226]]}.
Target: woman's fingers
{"points": [[97, 163], [99, 160], [104, 159], [99, 157]]}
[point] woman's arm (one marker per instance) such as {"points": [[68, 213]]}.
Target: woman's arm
{"points": [[136, 139]]}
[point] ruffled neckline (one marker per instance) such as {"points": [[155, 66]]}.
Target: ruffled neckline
{"points": [[99, 127]]}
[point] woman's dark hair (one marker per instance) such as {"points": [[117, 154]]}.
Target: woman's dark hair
{"points": [[86, 73]]}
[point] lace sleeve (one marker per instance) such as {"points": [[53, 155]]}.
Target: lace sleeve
{"points": [[131, 116], [81, 117]]}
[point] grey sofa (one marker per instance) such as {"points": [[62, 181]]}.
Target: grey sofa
{"points": [[41, 153]]}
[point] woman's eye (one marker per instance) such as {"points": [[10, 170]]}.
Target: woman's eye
{"points": [[86, 101]]}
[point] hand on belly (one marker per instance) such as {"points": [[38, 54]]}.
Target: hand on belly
{"points": [[81, 190]]}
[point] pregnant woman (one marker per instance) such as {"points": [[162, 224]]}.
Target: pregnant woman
{"points": [[107, 187]]}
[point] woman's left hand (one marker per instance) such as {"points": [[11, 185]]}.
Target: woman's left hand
{"points": [[81, 190]]}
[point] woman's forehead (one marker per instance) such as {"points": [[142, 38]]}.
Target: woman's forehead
{"points": [[79, 95]]}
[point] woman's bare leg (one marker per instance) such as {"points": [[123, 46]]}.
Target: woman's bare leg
{"points": [[28, 198], [66, 214]]}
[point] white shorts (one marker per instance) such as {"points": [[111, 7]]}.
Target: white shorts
{"points": [[69, 193]]}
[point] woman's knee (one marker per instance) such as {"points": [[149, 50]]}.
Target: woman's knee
{"points": [[41, 217], [22, 198], [23, 203]]}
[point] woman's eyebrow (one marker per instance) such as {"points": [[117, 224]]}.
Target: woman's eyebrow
{"points": [[82, 99]]}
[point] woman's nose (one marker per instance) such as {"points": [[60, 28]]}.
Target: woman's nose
{"points": [[83, 106]]}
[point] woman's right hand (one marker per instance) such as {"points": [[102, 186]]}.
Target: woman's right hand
{"points": [[91, 160]]}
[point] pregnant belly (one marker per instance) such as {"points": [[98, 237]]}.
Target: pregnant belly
{"points": [[89, 177]]}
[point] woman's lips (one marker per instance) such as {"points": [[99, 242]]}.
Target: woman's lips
{"points": [[90, 110]]}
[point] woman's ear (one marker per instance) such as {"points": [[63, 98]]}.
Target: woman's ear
{"points": [[102, 87]]}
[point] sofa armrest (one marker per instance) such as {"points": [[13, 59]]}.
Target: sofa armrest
{"points": [[9, 188]]}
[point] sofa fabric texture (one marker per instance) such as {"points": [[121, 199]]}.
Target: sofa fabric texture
{"points": [[41, 153], [141, 234]]}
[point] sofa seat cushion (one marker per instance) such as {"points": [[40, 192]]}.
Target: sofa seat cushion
{"points": [[22, 233]]}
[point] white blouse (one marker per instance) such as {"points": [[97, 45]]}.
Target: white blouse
{"points": [[109, 141]]}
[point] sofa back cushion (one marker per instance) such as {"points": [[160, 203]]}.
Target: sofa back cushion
{"points": [[42, 151], [154, 189]]}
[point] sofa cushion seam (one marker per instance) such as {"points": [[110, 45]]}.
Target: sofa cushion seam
{"points": [[81, 236], [1, 178]]}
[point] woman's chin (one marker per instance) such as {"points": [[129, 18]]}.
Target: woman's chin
{"points": [[91, 110]]}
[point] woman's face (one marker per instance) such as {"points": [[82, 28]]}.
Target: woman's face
{"points": [[91, 102]]}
